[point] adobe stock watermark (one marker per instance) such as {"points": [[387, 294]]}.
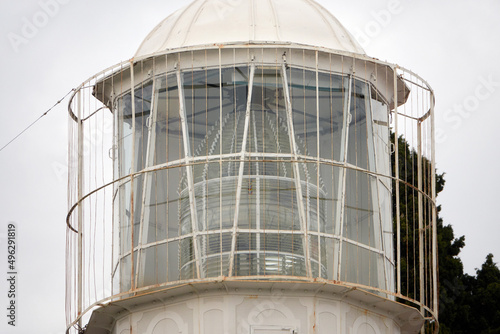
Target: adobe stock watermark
{"points": [[224, 8], [31, 26], [456, 115], [381, 19]]}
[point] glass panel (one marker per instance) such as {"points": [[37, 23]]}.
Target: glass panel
{"points": [[357, 150], [138, 200], [153, 268], [173, 261], [313, 198], [386, 216], [125, 231], [173, 175], [168, 141], [361, 266], [234, 100], [303, 97], [208, 196], [360, 209], [142, 101], [202, 95], [249, 201], [155, 225], [283, 255], [247, 260], [332, 99], [319, 247], [268, 131], [124, 141], [381, 135], [125, 273], [187, 259], [390, 276], [329, 199], [268, 201], [216, 248], [329, 245], [314, 254], [116, 244], [149, 267]]}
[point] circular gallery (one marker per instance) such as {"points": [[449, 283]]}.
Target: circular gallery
{"points": [[240, 174]]}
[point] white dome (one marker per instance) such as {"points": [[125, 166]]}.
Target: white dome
{"points": [[222, 22]]}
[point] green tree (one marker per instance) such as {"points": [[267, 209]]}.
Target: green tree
{"points": [[485, 298], [467, 304]]}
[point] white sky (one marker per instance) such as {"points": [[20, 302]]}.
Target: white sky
{"points": [[452, 44]]}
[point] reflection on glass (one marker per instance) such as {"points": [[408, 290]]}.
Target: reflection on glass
{"points": [[285, 208]]}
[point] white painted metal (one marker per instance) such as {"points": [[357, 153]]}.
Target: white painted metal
{"points": [[420, 221], [146, 192], [318, 155], [434, 212], [296, 170], [80, 208], [214, 22], [132, 170], [214, 34], [339, 222], [189, 173], [396, 175], [257, 199], [264, 308], [241, 169]]}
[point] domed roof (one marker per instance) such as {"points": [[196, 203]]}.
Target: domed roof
{"points": [[214, 22]]}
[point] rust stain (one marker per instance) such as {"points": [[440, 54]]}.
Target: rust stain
{"points": [[253, 297]]}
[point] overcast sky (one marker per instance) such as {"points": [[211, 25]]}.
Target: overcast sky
{"points": [[452, 44]]}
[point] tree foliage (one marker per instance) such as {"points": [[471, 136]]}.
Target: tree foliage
{"points": [[467, 304]]}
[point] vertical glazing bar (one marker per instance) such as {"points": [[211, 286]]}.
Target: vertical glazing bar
{"points": [[132, 171], [343, 175], [434, 213], [420, 220], [296, 171], [396, 176], [189, 172], [318, 217], [373, 165], [147, 186], [167, 172], [220, 161], [241, 170], [116, 191], [257, 195], [80, 209]]}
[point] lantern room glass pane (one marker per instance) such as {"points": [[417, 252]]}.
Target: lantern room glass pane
{"points": [[304, 110], [168, 136], [286, 207], [359, 113], [202, 102], [332, 101]]}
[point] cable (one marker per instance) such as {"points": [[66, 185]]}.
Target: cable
{"points": [[29, 126]]}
